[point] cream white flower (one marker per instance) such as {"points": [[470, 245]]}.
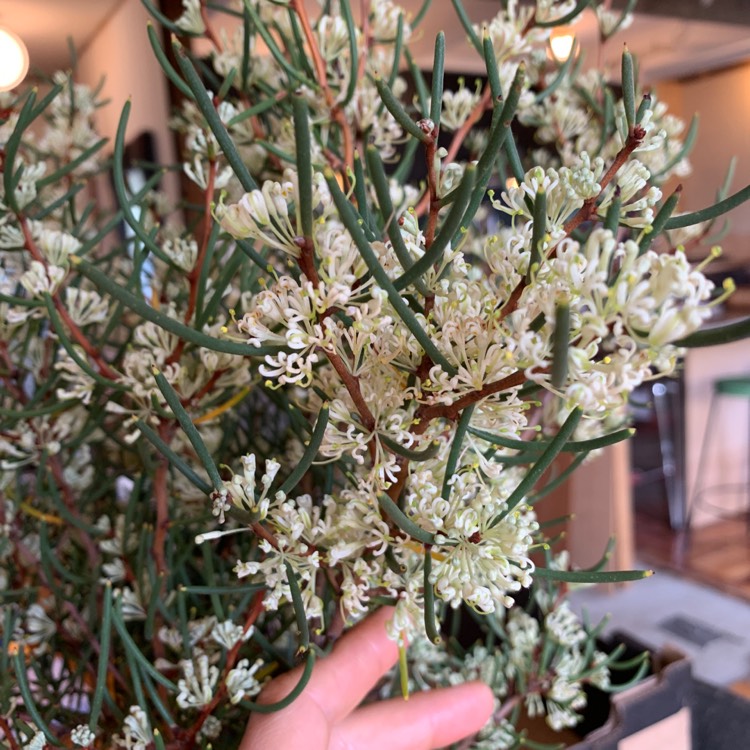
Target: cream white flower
{"points": [[264, 215], [458, 105], [241, 681], [82, 736], [228, 634], [198, 682], [136, 731], [41, 280], [85, 306], [37, 742], [191, 20]]}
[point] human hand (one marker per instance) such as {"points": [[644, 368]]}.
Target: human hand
{"points": [[325, 715]]}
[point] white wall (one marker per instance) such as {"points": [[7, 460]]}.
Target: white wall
{"points": [[722, 100], [121, 53]]}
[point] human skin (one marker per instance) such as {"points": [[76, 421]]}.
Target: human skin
{"points": [[326, 715]]}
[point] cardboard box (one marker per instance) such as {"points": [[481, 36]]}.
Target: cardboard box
{"points": [[653, 715]]}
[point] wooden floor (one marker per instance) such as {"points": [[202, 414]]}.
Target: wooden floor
{"points": [[717, 555]]}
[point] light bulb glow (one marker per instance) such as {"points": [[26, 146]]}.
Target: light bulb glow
{"points": [[561, 45], [14, 60]]}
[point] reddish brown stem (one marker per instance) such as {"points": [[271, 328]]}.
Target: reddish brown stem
{"points": [[8, 732], [255, 609], [210, 33], [161, 498], [337, 114], [195, 273], [588, 209], [75, 332], [262, 532], [453, 411], [476, 115], [207, 386], [70, 503], [351, 382]]}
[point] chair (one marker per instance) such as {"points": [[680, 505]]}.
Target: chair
{"points": [[664, 410], [730, 387]]}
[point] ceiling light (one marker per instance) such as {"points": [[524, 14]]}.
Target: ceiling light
{"points": [[562, 43], [14, 60]]}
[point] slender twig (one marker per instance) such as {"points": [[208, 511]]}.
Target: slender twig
{"points": [[210, 33], [195, 273], [255, 609], [588, 209], [452, 411], [67, 494], [8, 733], [351, 382], [92, 352], [337, 113], [476, 115], [161, 496]]}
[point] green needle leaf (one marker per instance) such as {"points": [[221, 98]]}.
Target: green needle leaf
{"points": [[536, 471], [463, 16], [208, 110], [538, 232], [140, 306], [105, 634], [706, 214], [303, 146], [403, 522], [430, 624], [346, 12], [628, 88], [424, 455], [29, 702], [438, 65], [132, 648], [176, 461], [560, 345], [589, 576], [580, 6], [262, 708], [660, 220], [188, 428], [394, 106], [310, 452], [383, 193], [299, 607], [453, 221], [456, 448], [612, 219], [716, 335], [166, 66], [349, 219]]}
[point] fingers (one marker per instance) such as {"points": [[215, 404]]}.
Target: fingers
{"points": [[342, 679], [426, 721], [340, 682]]}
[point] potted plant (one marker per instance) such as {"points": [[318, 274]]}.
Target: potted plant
{"points": [[234, 430]]}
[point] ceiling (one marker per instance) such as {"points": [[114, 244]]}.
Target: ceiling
{"points": [[46, 25], [666, 47]]}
